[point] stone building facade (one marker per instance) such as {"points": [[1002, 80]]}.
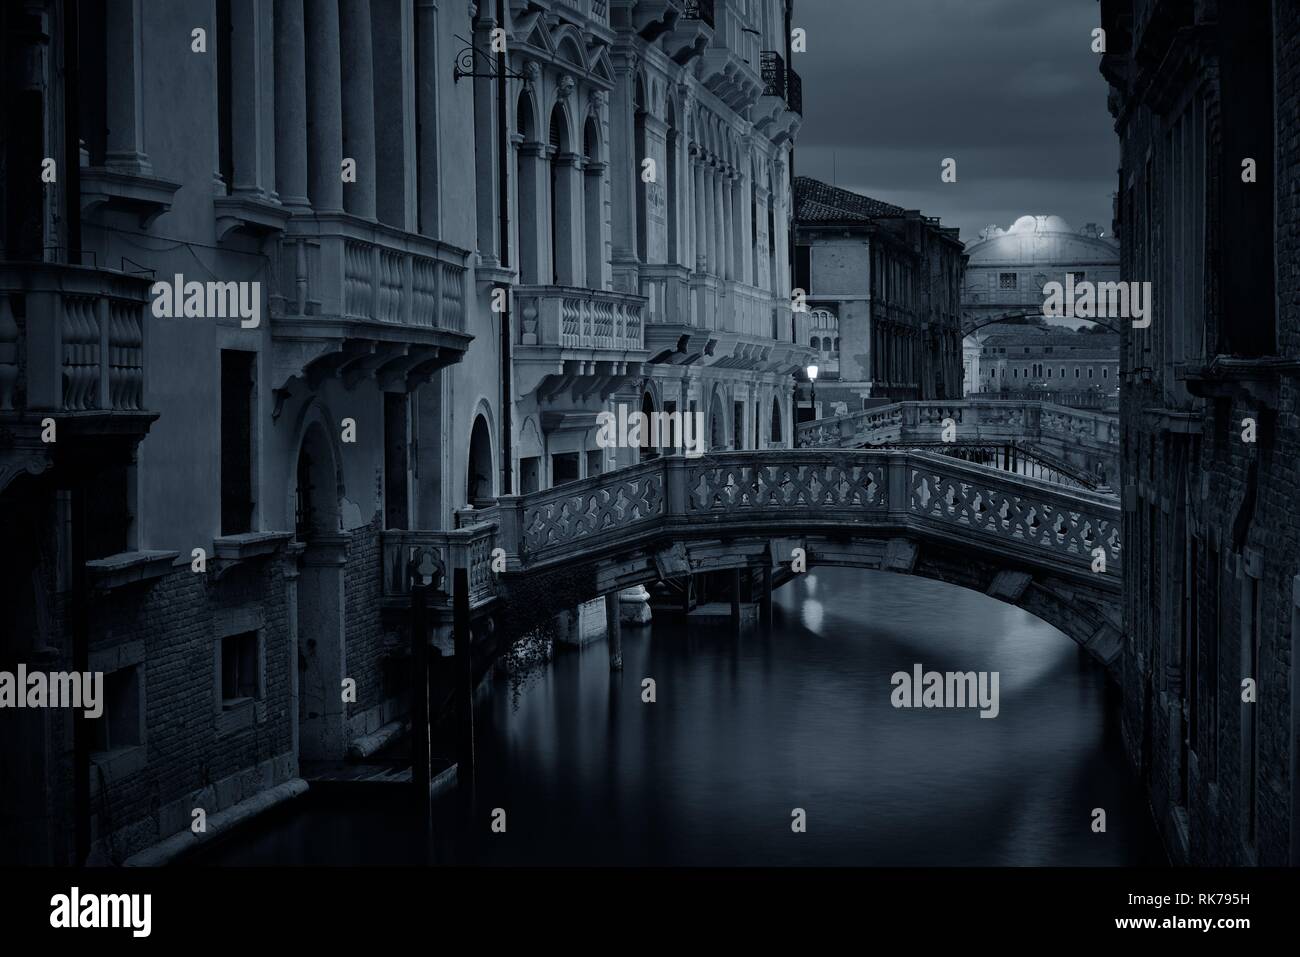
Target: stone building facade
{"points": [[891, 280], [451, 259], [1211, 435], [238, 299], [1043, 359]]}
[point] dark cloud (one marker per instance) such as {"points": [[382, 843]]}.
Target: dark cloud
{"points": [[1009, 88]]}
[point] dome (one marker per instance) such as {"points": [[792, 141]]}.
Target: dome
{"points": [[1040, 224], [1039, 239]]}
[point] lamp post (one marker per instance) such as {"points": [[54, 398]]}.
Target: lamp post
{"points": [[812, 380]]}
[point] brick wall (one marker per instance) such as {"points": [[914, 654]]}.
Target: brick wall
{"points": [[1190, 492], [194, 756]]}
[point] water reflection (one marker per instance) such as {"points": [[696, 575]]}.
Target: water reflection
{"points": [[744, 730]]}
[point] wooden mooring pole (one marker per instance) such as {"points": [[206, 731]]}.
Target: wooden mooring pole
{"points": [[420, 764], [464, 679], [613, 632]]}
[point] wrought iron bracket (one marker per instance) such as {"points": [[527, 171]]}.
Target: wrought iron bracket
{"points": [[465, 64]]}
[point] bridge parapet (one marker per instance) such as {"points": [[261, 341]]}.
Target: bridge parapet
{"points": [[975, 419], [437, 553], [779, 492]]}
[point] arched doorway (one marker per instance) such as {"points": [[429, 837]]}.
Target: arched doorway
{"points": [[648, 449], [527, 153], [478, 479], [322, 655], [593, 178], [717, 423], [562, 172]]}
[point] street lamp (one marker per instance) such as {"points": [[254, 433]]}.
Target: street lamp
{"points": [[812, 379]]}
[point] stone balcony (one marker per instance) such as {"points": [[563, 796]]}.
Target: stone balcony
{"points": [[72, 349], [586, 339], [720, 321], [732, 60], [359, 300]]}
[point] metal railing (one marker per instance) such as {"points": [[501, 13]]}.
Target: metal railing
{"points": [[699, 10]]}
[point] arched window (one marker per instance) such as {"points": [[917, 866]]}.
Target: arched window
{"points": [[837, 344], [649, 450], [480, 474], [816, 343], [776, 437], [594, 233], [639, 108], [561, 170], [525, 156]]}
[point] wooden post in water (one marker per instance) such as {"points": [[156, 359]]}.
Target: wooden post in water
{"points": [[686, 595], [735, 599], [613, 632], [464, 681], [765, 606], [420, 710]]}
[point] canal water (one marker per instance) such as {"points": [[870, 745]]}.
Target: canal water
{"points": [[744, 731]]}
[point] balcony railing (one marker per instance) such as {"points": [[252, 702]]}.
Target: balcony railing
{"points": [[339, 266], [597, 10], [441, 552], [574, 318], [699, 10], [71, 338], [773, 73], [794, 91]]}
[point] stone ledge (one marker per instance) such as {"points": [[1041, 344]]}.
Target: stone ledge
{"points": [[218, 824], [128, 568]]}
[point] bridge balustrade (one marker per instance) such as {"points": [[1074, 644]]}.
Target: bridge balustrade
{"points": [[818, 490]]}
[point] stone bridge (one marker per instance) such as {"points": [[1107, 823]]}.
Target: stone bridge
{"points": [[1084, 439], [1053, 551]]}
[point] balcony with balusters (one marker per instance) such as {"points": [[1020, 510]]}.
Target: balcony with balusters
{"points": [[587, 339], [359, 300], [72, 351], [732, 61]]}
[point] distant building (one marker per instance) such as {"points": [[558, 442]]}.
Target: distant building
{"points": [[1017, 359], [884, 288], [1007, 268]]}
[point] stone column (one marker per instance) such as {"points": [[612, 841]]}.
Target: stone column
{"points": [[699, 240], [593, 224], [719, 221], [290, 107], [487, 170], [358, 98], [624, 166], [246, 81], [324, 106], [729, 216], [124, 94], [746, 188]]}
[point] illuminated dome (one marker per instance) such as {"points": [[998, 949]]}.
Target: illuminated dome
{"points": [[1040, 239]]}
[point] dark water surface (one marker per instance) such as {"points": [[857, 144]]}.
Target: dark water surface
{"points": [[744, 730]]}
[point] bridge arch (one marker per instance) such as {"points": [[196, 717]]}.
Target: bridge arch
{"points": [[1052, 551]]}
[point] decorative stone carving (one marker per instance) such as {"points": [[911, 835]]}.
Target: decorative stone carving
{"points": [[564, 88]]}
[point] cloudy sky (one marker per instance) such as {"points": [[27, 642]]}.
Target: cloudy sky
{"points": [[1008, 88]]}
